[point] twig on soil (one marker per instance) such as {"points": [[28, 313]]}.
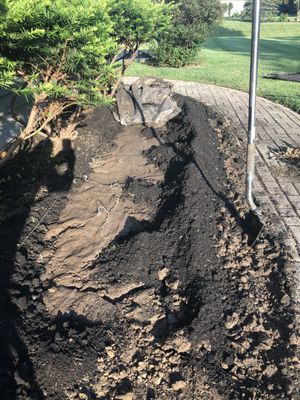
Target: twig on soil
{"points": [[100, 206], [39, 223], [115, 185], [108, 213]]}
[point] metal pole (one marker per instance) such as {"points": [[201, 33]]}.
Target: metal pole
{"points": [[252, 103]]}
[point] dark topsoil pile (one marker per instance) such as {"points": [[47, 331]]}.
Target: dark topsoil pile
{"points": [[225, 325]]}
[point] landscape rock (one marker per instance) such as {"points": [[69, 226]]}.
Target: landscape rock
{"points": [[147, 101]]}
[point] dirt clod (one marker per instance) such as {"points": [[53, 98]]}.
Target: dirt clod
{"points": [[163, 274]]}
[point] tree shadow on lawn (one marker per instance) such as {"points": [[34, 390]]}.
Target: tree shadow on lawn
{"points": [[222, 31], [270, 50], [21, 180]]}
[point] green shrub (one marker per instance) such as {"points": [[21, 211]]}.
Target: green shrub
{"points": [[192, 23], [60, 50], [236, 15], [65, 51], [58, 47], [283, 17], [166, 54], [136, 22]]}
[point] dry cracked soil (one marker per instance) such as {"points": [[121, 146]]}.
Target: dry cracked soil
{"points": [[126, 270]]}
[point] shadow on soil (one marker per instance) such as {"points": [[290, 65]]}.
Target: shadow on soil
{"points": [[180, 236], [182, 233], [252, 226], [20, 184]]}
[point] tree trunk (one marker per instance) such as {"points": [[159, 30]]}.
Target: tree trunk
{"points": [[125, 66]]}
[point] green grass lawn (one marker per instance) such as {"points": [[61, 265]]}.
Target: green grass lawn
{"points": [[225, 60]]}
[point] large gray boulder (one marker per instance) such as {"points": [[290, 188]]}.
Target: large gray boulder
{"points": [[147, 101]]}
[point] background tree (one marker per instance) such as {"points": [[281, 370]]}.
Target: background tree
{"points": [[289, 7], [230, 7], [192, 23], [269, 8]]}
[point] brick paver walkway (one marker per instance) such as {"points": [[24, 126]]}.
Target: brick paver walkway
{"points": [[277, 188]]}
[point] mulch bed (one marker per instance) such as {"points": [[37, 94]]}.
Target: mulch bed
{"points": [[209, 317], [291, 77]]}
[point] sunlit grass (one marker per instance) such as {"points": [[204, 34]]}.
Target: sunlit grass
{"points": [[225, 59]]}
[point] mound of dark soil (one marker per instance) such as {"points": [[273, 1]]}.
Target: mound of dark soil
{"points": [[194, 312]]}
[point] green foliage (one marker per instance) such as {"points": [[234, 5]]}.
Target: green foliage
{"points": [[58, 47], [283, 17], [269, 9], [166, 54], [7, 73], [65, 52], [65, 48], [289, 7], [138, 21], [193, 22]]}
